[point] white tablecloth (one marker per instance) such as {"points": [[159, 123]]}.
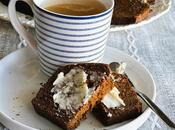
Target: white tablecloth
{"points": [[155, 48]]}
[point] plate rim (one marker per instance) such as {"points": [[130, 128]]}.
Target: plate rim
{"points": [[146, 112]]}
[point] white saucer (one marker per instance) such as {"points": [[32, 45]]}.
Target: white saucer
{"points": [[20, 79], [158, 9]]}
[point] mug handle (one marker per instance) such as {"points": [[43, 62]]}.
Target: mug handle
{"points": [[18, 26]]}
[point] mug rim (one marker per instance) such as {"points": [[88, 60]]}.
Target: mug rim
{"points": [[76, 16]]}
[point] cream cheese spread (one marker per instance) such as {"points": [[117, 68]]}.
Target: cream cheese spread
{"points": [[70, 90], [112, 99]]}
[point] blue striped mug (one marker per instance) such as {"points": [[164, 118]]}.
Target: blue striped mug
{"points": [[63, 39]]}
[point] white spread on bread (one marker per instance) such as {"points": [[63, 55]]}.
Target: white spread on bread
{"points": [[112, 99], [145, 1], [109, 114], [70, 90]]}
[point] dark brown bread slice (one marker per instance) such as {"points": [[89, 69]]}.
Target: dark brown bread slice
{"points": [[132, 108], [44, 105], [129, 11]]}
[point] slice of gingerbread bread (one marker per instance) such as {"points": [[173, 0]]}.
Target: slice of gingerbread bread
{"points": [[129, 11], [120, 104], [72, 92]]}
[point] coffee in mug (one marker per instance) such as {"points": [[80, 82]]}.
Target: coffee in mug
{"points": [[78, 9]]}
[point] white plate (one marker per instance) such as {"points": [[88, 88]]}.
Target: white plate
{"points": [[20, 79], [159, 8]]}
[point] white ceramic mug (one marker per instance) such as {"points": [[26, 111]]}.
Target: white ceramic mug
{"points": [[63, 39]]}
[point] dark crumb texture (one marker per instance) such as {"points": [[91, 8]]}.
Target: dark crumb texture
{"points": [[44, 105], [129, 11], [132, 109]]}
